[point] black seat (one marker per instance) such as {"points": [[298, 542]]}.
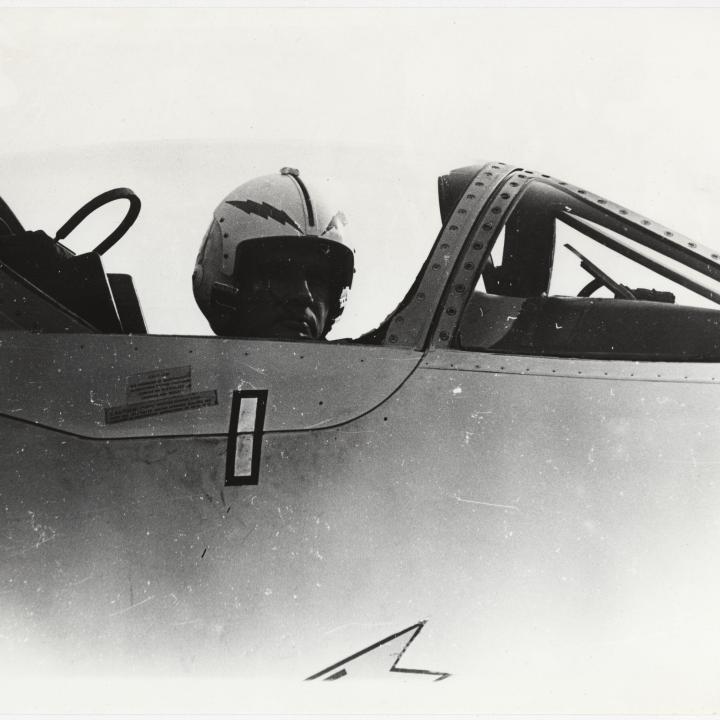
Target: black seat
{"points": [[77, 283]]}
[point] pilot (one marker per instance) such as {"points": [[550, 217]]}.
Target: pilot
{"points": [[274, 263]]}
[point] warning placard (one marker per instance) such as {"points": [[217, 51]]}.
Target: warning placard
{"points": [[160, 406], [156, 384]]}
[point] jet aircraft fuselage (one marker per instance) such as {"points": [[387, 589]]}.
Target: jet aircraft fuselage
{"points": [[503, 484]]}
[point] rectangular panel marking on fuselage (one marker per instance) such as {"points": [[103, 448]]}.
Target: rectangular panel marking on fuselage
{"points": [[247, 420]]}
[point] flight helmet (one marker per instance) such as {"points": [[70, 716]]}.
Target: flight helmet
{"points": [[264, 213]]}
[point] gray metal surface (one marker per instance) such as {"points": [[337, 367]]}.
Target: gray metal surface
{"points": [[557, 533], [68, 382], [553, 521]]}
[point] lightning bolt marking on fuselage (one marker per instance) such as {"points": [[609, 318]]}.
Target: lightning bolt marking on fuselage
{"points": [[339, 670]]}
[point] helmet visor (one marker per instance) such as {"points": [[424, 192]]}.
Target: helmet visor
{"points": [[278, 260]]}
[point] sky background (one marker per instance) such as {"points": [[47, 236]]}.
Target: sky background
{"points": [[182, 105]]}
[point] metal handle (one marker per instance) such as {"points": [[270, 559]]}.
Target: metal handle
{"points": [[98, 202]]}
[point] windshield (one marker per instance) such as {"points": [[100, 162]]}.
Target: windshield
{"points": [[583, 278]]}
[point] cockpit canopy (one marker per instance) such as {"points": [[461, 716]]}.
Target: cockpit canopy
{"points": [[524, 264]]}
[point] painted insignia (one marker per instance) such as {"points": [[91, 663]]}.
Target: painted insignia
{"points": [[264, 210], [373, 659]]}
